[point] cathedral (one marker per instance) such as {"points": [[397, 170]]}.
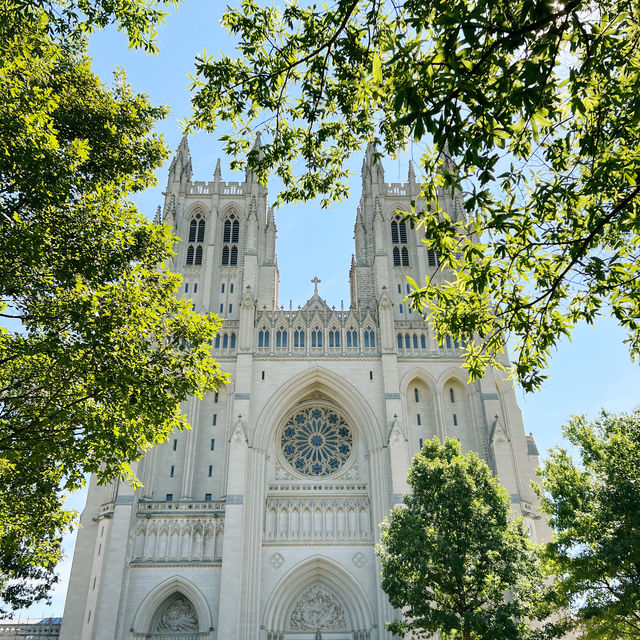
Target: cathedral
{"points": [[260, 522]]}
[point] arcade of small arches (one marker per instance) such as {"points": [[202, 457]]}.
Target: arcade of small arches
{"points": [[333, 338], [418, 340]]}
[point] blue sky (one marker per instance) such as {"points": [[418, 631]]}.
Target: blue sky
{"points": [[592, 371]]}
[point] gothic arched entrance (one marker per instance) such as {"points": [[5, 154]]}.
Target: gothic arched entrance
{"points": [[174, 610], [318, 600]]}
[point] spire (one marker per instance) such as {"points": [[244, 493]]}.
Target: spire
{"points": [[369, 155], [271, 220], [413, 185], [372, 171], [217, 174], [181, 169], [158, 217], [255, 154], [447, 161]]}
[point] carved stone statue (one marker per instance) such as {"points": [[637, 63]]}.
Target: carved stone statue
{"points": [[179, 615], [318, 609]]}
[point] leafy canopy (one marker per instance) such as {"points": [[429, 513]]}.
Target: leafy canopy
{"points": [[594, 509], [98, 353], [453, 559], [529, 110]]}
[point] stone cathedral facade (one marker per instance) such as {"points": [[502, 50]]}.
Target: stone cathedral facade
{"points": [[260, 522]]}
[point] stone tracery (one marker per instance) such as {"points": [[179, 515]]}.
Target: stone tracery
{"points": [[316, 441]]}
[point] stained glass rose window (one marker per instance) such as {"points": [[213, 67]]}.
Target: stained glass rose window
{"points": [[316, 441]]}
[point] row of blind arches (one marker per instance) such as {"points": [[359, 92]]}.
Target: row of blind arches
{"points": [[409, 340], [225, 341], [317, 338], [419, 341]]}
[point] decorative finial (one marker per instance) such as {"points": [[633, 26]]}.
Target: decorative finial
{"points": [[315, 282]]}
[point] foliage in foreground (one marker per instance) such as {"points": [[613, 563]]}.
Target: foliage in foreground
{"points": [[98, 353], [594, 509], [529, 108], [452, 558]]}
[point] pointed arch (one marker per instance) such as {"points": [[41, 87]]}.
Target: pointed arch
{"points": [[318, 380], [161, 593], [399, 241], [452, 372], [197, 226], [420, 374], [318, 570], [230, 237]]}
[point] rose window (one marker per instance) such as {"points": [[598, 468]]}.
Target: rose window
{"points": [[316, 441]]}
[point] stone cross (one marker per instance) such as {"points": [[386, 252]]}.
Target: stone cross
{"points": [[315, 282]]}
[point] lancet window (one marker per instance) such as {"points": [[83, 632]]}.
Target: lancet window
{"points": [[263, 337], [281, 337], [196, 238], [399, 242], [369, 338], [334, 337], [316, 337], [230, 239], [352, 337], [298, 337]]}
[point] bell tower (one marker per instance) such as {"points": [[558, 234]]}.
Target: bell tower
{"points": [[387, 248], [228, 235]]}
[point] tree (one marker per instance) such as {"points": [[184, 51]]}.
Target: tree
{"points": [[594, 509], [101, 352], [529, 113], [453, 559]]}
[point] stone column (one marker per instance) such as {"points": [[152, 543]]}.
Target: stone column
{"points": [[229, 620]]}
